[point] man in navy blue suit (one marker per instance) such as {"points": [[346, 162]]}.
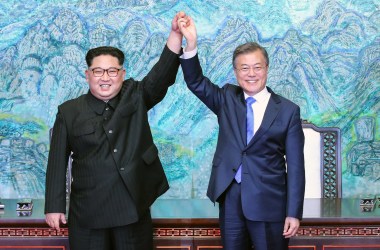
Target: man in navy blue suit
{"points": [[259, 181]]}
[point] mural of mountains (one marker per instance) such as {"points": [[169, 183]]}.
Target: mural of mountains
{"points": [[326, 59]]}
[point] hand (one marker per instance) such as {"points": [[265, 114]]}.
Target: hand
{"points": [[175, 27], [174, 42], [187, 27], [291, 227], [54, 219]]}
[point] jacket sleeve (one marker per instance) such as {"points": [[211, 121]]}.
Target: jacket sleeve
{"points": [[55, 189], [295, 141], [209, 93], [160, 77]]}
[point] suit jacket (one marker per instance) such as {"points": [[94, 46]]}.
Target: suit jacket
{"points": [[116, 171], [273, 173]]}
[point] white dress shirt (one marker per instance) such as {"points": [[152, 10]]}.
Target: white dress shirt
{"points": [[259, 107]]}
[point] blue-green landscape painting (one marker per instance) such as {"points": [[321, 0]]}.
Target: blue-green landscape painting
{"points": [[324, 56]]}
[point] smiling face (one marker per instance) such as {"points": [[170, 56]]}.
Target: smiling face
{"points": [[105, 87], [251, 71]]}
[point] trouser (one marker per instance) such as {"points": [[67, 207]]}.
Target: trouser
{"points": [[136, 236], [239, 233]]}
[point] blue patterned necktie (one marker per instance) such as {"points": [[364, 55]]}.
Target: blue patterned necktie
{"points": [[250, 101]]}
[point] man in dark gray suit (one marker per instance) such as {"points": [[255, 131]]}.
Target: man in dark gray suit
{"points": [[116, 172], [258, 174]]}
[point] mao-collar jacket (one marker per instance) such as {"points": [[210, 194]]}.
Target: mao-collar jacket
{"points": [[116, 171]]}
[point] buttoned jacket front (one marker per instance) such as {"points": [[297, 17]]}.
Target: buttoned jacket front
{"points": [[116, 171], [273, 173]]}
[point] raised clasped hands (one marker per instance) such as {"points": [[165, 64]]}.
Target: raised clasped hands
{"points": [[175, 37], [175, 22], [186, 26]]}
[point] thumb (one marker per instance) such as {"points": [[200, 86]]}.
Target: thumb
{"points": [[63, 219], [286, 226]]}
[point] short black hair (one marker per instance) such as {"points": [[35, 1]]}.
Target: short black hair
{"points": [[104, 50], [248, 48]]}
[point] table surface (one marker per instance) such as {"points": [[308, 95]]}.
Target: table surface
{"points": [[203, 211]]}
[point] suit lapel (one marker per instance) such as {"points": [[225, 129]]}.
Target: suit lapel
{"points": [[270, 114], [241, 115]]}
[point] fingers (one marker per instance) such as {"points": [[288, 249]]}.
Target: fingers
{"points": [[63, 219], [183, 26], [186, 24], [54, 220], [53, 223], [179, 16], [182, 23], [292, 231], [291, 227]]}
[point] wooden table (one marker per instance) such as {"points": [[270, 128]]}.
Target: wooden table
{"points": [[328, 224]]}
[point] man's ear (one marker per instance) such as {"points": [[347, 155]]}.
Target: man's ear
{"points": [[86, 72]]}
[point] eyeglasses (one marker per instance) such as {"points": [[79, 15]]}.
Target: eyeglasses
{"points": [[99, 72], [245, 69]]}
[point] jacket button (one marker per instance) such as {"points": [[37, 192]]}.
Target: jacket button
{"points": [[115, 150], [121, 169], [110, 131]]}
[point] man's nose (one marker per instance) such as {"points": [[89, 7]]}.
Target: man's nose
{"points": [[251, 71], [105, 76]]}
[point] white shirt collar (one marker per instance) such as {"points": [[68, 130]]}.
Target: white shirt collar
{"points": [[261, 96]]}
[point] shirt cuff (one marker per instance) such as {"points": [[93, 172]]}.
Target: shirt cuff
{"points": [[189, 54]]}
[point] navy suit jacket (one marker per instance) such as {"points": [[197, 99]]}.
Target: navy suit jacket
{"points": [[273, 173]]}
